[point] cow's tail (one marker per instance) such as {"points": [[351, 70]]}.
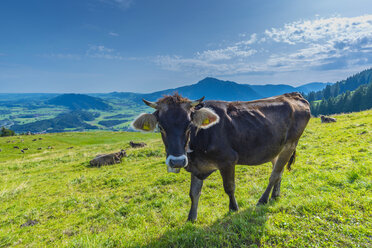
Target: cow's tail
{"points": [[291, 160]]}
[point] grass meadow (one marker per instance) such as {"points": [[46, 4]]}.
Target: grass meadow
{"points": [[51, 198]]}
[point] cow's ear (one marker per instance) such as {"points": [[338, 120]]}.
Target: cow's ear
{"points": [[145, 123], [205, 118]]}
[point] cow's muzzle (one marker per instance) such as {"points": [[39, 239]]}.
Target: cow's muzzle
{"points": [[176, 163]]}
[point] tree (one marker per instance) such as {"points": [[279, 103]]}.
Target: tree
{"points": [[6, 132]]}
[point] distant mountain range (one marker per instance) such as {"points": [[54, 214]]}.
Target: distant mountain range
{"points": [[115, 111], [216, 89]]}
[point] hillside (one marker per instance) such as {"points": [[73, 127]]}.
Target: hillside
{"points": [[349, 84], [74, 120], [326, 198], [79, 101], [357, 100]]}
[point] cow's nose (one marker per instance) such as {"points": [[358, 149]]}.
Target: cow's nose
{"points": [[177, 163]]}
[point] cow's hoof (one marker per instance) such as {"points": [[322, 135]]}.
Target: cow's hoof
{"points": [[275, 197], [234, 209], [192, 218]]}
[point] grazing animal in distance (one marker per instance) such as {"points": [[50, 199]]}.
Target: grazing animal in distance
{"points": [[136, 145], [22, 151], [205, 136], [15, 147], [325, 119], [34, 139], [70, 147], [25, 149], [39, 148], [108, 159]]}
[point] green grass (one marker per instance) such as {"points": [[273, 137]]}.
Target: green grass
{"points": [[326, 198]]}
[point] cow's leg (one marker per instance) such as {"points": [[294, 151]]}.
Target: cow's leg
{"points": [[276, 174], [276, 189], [195, 191], [228, 177]]}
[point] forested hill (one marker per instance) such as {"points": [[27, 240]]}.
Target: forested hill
{"points": [[79, 101], [350, 101], [350, 84]]}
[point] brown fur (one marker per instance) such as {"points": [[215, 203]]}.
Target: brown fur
{"points": [[135, 145], [108, 159], [173, 99], [325, 119]]}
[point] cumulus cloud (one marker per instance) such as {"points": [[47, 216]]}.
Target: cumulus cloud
{"points": [[225, 53], [336, 42], [217, 61], [335, 29], [102, 52], [113, 34], [319, 44], [123, 4]]}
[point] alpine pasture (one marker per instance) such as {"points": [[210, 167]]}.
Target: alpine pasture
{"points": [[51, 197]]}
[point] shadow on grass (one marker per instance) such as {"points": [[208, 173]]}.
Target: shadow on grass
{"points": [[242, 229]]}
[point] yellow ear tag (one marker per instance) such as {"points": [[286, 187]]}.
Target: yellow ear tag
{"points": [[146, 126], [206, 122]]}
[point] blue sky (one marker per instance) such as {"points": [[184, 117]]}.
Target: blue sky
{"points": [[147, 45]]}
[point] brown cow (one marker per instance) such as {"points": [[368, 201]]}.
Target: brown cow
{"points": [[203, 137], [325, 119], [108, 159], [136, 145]]}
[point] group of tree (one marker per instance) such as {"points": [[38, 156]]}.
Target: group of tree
{"points": [[352, 94], [357, 100], [6, 132], [350, 84], [79, 102]]}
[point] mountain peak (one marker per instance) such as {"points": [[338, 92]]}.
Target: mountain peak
{"points": [[212, 80]]}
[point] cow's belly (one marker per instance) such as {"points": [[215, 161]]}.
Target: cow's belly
{"points": [[259, 151], [260, 157]]}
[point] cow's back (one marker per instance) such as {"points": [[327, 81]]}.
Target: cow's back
{"points": [[256, 130]]}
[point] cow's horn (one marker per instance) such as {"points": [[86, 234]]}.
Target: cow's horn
{"points": [[196, 102], [151, 104]]}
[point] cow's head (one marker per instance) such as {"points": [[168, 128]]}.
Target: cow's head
{"points": [[175, 116]]}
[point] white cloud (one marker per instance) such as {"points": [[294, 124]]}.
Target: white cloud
{"points": [[225, 53], [331, 29], [331, 43], [113, 34], [319, 44], [62, 56], [102, 52], [123, 4], [217, 61]]}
